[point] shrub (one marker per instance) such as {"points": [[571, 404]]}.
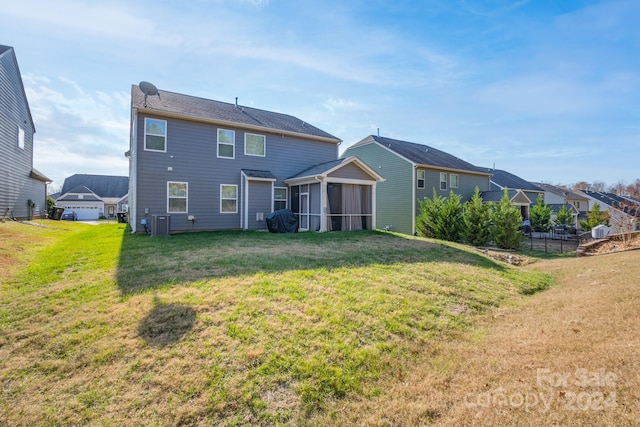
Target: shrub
{"points": [[540, 215], [506, 220], [477, 220]]}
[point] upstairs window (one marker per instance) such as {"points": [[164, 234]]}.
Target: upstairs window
{"points": [[155, 135], [177, 194], [443, 181], [226, 143], [21, 138], [420, 178], [279, 198], [454, 180], [254, 145], [228, 198]]}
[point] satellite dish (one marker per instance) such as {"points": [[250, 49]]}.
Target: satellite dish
{"points": [[148, 89]]}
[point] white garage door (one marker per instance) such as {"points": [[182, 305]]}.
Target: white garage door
{"points": [[86, 212]]}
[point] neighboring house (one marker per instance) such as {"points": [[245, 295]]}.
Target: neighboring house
{"points": [[94, 196], [522, 193], [624, 213], [412, 172], [556, 197], [23, 193], [210, 165]]}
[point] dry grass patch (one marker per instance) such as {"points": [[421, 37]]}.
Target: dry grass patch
{"points": [[568, 356]]}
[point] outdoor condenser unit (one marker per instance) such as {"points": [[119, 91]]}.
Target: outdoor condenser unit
{"points": [[160, 225]]}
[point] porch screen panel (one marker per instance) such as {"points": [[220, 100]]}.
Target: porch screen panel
{"points": [[352, 205], [334, 194]]}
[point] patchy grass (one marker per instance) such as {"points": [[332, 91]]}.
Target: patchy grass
{"points": [[102, 327]]}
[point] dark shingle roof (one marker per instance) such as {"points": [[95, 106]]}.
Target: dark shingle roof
{"points": [[207, 109], [611, 199], [496, 195], [4, 48], [102, 185], [560, 191], [318, 169], [253, 173], [506, 179], [425, 155]]}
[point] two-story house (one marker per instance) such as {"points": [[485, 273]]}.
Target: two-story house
{"points": [[412, 172], [211, 165], [23, 190]]}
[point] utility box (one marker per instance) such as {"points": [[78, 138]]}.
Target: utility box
{"points": [[600, 231], [160, 225]]}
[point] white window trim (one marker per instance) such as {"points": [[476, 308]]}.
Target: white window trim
{"points": [[221, 199], [286, 197], [424, 178], [264, 145], [145, 135], [451, 175], [233, 145], [20, 138], [186, 207], [443, 174]]}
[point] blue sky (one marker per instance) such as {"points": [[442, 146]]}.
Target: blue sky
{"points": [[548, 90]]}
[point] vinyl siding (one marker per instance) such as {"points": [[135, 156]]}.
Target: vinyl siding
{"points": [[260, 195], [350, 171], [467, 184], [16, 163], [191, 152], [394, 195]]}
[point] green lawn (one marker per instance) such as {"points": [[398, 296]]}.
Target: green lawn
{"points": [[234, 328]]}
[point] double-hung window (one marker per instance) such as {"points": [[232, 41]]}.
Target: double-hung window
{"points": [[254, 145], [228, 198], [443, 181], [155, 135], [279, 198], [226, 143], [420, 178], [454, 180], [20, 138], [177, 197]]}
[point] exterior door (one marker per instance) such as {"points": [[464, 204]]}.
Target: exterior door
{"points": [[304, 212]]}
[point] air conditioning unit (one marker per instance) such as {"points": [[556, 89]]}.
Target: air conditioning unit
{"points": [[160, 225]]}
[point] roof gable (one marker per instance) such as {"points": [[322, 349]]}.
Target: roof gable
{"points": [[327, 168], [16, 79], [425, 155], [210, 110]]}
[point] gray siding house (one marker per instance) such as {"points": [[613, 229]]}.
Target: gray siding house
{"points": [[210, 165], [411, 172], [23, 193]]}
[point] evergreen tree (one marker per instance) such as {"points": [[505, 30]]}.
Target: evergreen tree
{"points": [[440, 217], [540, 215], [477, 220], [563, 217], [426, 222], [595, 217], [506, 220], [450, 223]]}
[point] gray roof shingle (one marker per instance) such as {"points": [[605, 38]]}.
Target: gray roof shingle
{"points": [[509, 180], [102, 185], [425, 155], [207, 109]]}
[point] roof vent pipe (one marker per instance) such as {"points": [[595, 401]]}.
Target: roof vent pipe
{"points": [[236, 102]]}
